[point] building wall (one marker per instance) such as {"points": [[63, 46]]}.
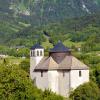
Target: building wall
{"points": [[33, 63], [32, 66], [57, 81], [41, 82], [53, 81], [35, 59], [49, 80], [64, 83], [75, 80]]}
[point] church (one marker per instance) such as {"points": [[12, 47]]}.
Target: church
{"points": [[60, 72]]}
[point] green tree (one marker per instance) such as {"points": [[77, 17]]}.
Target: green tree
{"points": [[97, 74], [87, 91], [16, 85], [25, 65]]}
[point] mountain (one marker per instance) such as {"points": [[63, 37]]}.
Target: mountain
{"points": [[44, 11], [55, 10], [25, 22]]}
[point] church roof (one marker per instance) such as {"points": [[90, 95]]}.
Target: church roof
{"points": [[68, 63], [59, 47], [36, 46]]}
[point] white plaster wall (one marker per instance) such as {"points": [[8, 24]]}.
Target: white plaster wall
{"points": [[75, 80], [53, 79], [37, 59], [32, 66], [41, 82], [34, 60], [64, 83]]}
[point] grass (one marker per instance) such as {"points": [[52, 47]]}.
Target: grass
{"points": [[12, 60]]}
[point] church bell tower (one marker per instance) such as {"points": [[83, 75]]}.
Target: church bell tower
{"points": [[36, 54]]}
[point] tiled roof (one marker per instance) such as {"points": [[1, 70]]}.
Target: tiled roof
{"points": [[36, 46], [59, 47], [68, 63]]}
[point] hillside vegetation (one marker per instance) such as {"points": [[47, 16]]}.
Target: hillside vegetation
{"points": [[45, 11], [26, 22], [81, 32], [49, 21]]}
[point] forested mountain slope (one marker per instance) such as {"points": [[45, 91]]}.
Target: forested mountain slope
{"points": [[44, 11], [25, 22]]}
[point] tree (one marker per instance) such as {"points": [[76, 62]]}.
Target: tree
{"points": [[25, 64], [16, 85], [87, 91], [97, 74]]}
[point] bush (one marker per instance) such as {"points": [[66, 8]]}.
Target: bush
{"points": [[49, 95]]}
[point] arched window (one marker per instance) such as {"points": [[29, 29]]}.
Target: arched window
{"points": [[37, 53], [41, 73], [80, 73], [40, 53], [63, 73], [33, 53], [34, 81]]}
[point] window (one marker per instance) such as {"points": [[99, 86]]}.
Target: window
{"points": [[37, 53], [63, 73], [80, 73], [41, 73], [31, 53], [40, 53], [34, 81]]}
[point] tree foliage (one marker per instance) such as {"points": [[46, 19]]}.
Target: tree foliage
{"points": [[87, 91], [15, 84]]}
